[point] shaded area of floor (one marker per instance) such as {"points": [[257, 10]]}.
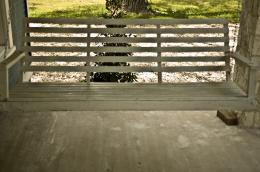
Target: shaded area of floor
{"points": [[125, 142]]}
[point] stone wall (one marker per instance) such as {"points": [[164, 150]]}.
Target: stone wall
{"points": [[249, 47]]}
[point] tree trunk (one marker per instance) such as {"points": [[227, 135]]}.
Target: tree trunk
{"points": [[137, 6]]}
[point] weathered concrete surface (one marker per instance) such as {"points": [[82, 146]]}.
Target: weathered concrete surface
{"points": [[249, 47], [125, 142]]}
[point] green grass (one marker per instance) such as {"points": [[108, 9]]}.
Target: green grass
{"points": [[66, 8], [196, 9], [73, 12], [162, 9]]}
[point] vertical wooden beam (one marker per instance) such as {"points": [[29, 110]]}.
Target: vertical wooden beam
{"points": [[9, 25], [25, 76], [23, 62], [5, 24], [251, 83], [4, 83], [2, 24], [159, 55], [6, 37], [227, 54], [88, 56]]}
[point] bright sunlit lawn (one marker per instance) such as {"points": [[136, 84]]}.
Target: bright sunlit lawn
{"points": [[161, 9]]}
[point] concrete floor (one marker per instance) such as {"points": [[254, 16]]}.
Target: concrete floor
{"points": [[125, 142]]}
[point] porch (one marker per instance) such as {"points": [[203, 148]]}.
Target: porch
{"points": [[122, 141], [125, 141]]}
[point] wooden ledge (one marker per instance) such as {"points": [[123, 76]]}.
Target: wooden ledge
{"points": [[99, 97]]}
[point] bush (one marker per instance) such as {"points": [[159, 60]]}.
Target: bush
{"points": [[114, 76], [114, 12]]}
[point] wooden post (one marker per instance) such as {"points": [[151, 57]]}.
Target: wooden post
{"points": [[159, 55], [227, 54], [4, 83], [25, 76], [9, 26], [251, 83], [6, 37], [5, 22], [88, 56]]}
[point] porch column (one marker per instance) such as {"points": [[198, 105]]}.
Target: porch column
{"points": [[6, 46], [6, 39], [249, 47]]}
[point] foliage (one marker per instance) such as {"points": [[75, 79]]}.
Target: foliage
{"points": [[66, 8], [114, 76], [75, 12], [162, 9], [196, 9], [114, 8]]}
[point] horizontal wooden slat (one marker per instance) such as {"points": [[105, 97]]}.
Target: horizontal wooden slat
{"points": [[182, 91], [163, 92], [125, 59], [100, 96], [91, 96], [55, 30], [126, 21], [36, 105], [56, 39], [111, 85], [123, 69], [124, 49], [126, 39], [124, 30], [132, 87]]}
